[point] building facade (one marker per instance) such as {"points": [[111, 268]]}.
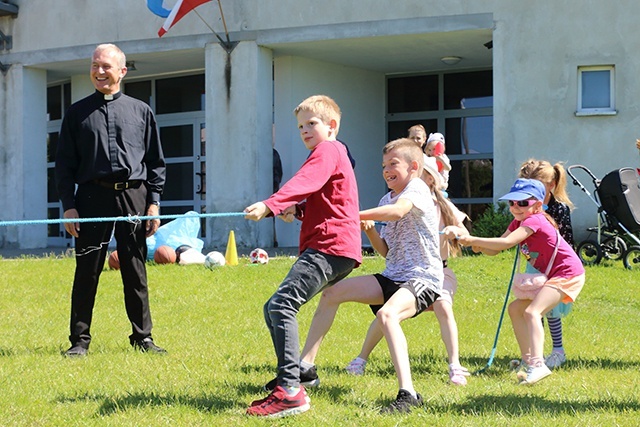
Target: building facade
{"points": [[503, 80]]}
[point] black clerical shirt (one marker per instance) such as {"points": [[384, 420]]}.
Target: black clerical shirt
{"points": [[112, 138]]}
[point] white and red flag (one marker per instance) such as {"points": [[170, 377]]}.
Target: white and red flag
{"points": [[181, 8]]}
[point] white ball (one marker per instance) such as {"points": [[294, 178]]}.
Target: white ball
{"points": [[259, 256], [214, 259]]}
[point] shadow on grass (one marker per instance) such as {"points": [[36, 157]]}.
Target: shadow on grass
{"points": [[112, 404], [501, 364], [28, 351], [512, 405]]}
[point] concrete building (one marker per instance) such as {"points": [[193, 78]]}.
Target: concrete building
{"points": [[503, 80]]}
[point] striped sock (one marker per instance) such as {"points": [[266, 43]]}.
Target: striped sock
{"points": [[555, 328]]}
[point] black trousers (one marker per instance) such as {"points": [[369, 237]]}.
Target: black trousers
{"points": [[93, 201]]}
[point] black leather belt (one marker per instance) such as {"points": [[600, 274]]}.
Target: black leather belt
{"points": [[118, 186]]}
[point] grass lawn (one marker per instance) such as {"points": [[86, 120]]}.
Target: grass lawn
{"points": [[220, 353]]}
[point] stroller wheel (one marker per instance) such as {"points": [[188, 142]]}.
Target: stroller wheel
{"points": [[589, 252], [632, 258], [614, 248]]}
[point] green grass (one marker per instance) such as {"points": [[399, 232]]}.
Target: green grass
{"points": [[220, 353]]}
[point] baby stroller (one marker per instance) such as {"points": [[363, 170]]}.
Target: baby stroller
{"points": [[617, 197]]}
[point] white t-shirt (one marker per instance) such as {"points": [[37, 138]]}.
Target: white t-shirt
{"points": [[413, 240]]}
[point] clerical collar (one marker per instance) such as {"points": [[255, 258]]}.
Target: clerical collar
{"points": [[109, 96]]}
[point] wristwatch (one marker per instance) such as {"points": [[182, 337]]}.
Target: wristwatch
{"points": [[155, 203]]}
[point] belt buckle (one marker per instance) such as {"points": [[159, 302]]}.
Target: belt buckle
{"points": [[119, 186]]}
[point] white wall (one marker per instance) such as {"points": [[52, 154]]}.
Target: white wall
{"points": [[537, 51], [361, 97]]}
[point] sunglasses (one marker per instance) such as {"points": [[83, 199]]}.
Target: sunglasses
{"points": [[522, 203]]}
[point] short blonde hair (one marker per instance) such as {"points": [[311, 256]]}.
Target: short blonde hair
{"points": [[407, 148], [322, 106], [418, 129], [122, 59]]}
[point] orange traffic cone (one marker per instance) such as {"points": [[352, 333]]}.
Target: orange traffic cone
{"points": [[231, 256]]}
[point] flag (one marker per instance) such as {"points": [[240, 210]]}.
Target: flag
{"points": [[181, 8], [157, 7]]}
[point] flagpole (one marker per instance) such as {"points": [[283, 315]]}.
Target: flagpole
{"points": [[212, 30], [224, 23]]}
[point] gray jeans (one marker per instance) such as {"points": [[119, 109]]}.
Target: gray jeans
{"points": [[310, 274]]}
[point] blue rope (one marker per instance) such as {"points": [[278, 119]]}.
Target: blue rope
{"points": [[130, 218]]}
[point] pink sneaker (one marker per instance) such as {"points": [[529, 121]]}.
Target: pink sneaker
{"points": [[458, 375], [356, 366], [280, 404]]}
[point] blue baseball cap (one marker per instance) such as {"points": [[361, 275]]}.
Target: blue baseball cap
{"points": [[524, 189]]}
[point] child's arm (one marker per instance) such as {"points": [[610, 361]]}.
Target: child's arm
{"points": [[288, 214], [493, 245], [452, 232], [446, 164], [392, 212], [256, 211], [377, 242]]}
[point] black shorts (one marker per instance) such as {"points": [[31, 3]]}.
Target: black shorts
{"points": [[424, 299]]}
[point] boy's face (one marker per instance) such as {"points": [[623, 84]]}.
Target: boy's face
{"points": [[396, 171], [313, 130], [418, 136]]}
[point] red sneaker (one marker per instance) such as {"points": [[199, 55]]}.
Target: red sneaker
{"points": [[280, 404]]}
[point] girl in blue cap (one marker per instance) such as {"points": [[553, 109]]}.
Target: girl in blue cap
{"points": [[546, 250]]}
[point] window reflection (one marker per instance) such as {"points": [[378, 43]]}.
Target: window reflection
{"points": [[469, 135], [468, 90], [417, 93], [179, 184], [177, 141], [180, 94]]}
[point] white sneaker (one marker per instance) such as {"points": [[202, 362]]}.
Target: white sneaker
{"points": [[535, 374], [458, 374], [555, 359], [356, 366]]}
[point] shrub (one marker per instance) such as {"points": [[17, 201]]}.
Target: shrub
{"points": [[493, 221]]}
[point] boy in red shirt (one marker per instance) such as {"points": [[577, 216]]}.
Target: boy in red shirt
{"points": [[323, 194]]}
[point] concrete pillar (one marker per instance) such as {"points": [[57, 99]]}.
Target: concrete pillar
{"points": [[239, 111], [23, 156], [81, 86]]}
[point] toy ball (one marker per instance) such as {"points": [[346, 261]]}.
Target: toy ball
{"points": [[164, 255], [214, 259], [259, 256], [114, 261]]}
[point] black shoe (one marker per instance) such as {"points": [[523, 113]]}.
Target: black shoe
{"points": [[308, 378], [147, 345], [76, 350], [403, 403]]}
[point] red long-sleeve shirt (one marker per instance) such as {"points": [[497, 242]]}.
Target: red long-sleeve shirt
{"points": [[330, 217]]}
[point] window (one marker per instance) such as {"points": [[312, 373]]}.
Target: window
{"points": [[180, 94], [460, 105], [596, 90]]}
